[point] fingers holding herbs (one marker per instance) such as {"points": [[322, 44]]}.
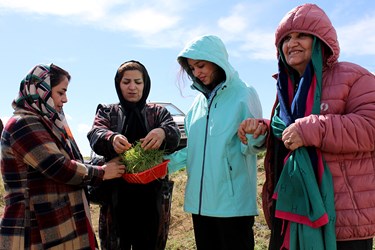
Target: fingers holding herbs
{"points": [[120, 144], [154, 139], [138, 159]]}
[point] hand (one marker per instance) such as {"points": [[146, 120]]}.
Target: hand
{"points": [[253, 126], [120, 144], [153, 139], [291, 138], [113, 169]]}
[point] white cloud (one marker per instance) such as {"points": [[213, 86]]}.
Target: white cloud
{"points": [[259, 45], [145, 21], [248, 38], [234, 23], [156, 23], [170, 23], [158, 18], [358, 38], [85, 9]]}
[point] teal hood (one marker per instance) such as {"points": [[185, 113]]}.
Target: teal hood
{"points": [[208, 48]]}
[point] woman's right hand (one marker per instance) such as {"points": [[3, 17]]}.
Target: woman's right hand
{"points": [[120, 144], [113, 169]]}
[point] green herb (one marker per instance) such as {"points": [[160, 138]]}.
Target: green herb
{"points": [[136, 159]]}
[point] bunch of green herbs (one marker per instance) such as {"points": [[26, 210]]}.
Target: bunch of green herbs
{"points": [[137, 160]]}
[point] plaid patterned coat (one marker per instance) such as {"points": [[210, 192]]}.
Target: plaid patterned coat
{"points": [[45, 200]]}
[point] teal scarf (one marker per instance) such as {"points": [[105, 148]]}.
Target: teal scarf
{"points": [[304, 192]]}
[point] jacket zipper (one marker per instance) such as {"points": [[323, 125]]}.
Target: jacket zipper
{"points": [[203, 163], [204, 152]]}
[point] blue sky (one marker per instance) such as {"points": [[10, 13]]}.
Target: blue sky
{"points": [[91, 39]]}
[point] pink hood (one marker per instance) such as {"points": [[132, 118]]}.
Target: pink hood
{"points": [[304, 19]]}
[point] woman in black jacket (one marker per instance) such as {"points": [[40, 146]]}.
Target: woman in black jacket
{"points": [[129, 215]]}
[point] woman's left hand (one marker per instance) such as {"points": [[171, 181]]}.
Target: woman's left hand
{"points": [[291, 138], [153, 139], [253, 126]]}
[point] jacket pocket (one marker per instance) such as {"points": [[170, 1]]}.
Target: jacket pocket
{"points": [[55, 222], [228, 169]]}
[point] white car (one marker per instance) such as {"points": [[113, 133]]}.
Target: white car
{"points": [[178, 117]]}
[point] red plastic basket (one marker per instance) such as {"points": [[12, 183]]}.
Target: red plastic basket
{"points": [[156, 172]]}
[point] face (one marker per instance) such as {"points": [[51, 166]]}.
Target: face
{"points": [[132, 85], [297, 48], [59, 96], [203, 70]]}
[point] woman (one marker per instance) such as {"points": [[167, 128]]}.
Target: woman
{"points": [[42, 170], [322, 124], [1, 126], [221, 188], [130, 216]]}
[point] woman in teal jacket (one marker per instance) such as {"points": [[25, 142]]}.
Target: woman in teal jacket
{"points": [[221, 187]]}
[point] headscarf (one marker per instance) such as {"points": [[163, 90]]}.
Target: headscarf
{"points": [[35, 95], [135, 127]]}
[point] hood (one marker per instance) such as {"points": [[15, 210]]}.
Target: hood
{"points": [[209, 48], [146, 90], [310, 19]]}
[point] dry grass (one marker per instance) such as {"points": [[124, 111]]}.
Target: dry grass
{"points": [[181, 236]]}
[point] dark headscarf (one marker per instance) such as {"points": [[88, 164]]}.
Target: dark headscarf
{"points": [[135, 127]]}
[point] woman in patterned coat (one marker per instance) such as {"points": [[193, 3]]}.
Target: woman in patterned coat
{"points": [[43, 171]]}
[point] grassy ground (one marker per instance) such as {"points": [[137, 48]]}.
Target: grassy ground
{"points": [[181, 236]]}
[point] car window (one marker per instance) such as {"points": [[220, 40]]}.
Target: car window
{"points": [[172, 109]]}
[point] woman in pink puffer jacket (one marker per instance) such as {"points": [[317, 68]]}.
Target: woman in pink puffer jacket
{"points": [[328, 108]]}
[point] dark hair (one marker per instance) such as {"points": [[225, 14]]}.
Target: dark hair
{"points": [[131, 65], [57, 74], [219, 75]]}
